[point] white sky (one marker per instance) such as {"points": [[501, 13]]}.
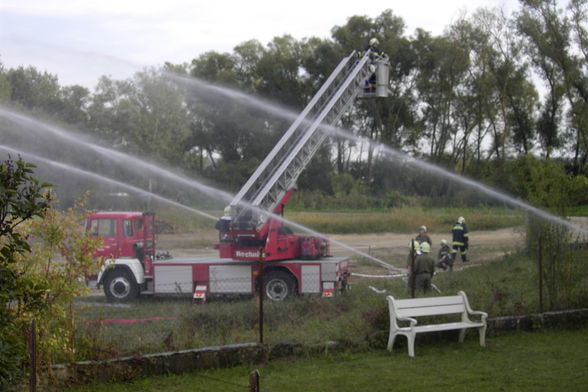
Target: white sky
{"points": [[81, 40]]}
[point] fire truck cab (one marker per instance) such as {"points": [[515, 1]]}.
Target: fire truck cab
{"points": [[124, 234]]}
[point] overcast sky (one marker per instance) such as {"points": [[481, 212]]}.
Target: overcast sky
{"points": [[80, 40]]}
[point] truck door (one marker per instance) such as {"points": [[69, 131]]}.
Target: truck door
{"points": [[127, 240], [107, 230]]}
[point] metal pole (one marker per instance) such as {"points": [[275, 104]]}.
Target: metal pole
{"points": [[33, 356], [412, 277], [261, 295], [149, 196], [540, 267]]}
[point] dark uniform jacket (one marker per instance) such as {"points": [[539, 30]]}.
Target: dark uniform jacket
{"points": [[460, 234]]}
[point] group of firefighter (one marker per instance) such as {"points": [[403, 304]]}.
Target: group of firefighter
{"points": [[421, 264]]}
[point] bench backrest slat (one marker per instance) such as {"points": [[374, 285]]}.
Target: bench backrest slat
{"points": [[429, 301], [430, 310], [429, 306]]}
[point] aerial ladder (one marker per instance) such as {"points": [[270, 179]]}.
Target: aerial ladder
{"points": [[254, 208]]}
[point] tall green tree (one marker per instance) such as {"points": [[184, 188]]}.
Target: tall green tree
{"points": [[442, 66], [549, 31], [145, 115]]}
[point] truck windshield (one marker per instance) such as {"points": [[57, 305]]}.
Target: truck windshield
{"points": [[103, 227]]}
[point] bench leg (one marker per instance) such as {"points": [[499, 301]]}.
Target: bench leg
{"points": [[410, 337], [462, 333], [482, 331], [391, 339]]}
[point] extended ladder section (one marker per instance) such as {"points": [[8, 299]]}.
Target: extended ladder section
{"points": [[282, 166]]}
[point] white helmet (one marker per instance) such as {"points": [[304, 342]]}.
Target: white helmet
{"points": [[443, 242], [423, 228], [425, 247], [227, 210], [461, 219], [374, 42]]}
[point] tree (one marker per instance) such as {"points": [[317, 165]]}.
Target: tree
{"points": [[5, 89], [21, 199], [549, 33], [34, 90], [75, 100], [442, 65], [145, 115]]}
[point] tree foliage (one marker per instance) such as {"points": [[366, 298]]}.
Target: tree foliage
{"points": [[488, 90]]}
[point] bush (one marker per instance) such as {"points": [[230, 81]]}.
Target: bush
{"points": [[52, 275]]}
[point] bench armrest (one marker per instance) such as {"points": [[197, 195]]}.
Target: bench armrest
{"points": [[483, 314], [411, 320], [469, 309]]}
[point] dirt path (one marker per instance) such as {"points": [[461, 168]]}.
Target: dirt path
{"points": [[399, 242]]}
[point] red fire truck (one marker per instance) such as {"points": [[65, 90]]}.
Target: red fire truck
{"points": [[252, 229]]}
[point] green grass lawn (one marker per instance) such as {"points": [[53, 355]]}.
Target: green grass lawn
{"points": [[547, 360], [406, 220]]}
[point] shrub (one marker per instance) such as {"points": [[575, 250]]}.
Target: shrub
{"points": [[53, 274]]}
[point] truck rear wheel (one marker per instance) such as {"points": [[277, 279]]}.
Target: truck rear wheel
{"points": [[120, 286], [279, 285]]}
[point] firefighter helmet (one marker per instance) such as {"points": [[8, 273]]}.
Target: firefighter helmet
{"points": [[374, 42], [227, 210], [461, 219], [443, 242], [423, 228], [425, 247]]}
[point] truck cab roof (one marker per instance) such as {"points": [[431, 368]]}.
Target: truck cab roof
{"points": [[118, 214]]}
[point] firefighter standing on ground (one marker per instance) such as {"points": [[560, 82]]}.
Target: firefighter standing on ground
{"points": [[460, 240], [424, 269]]}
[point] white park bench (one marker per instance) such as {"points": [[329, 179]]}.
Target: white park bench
{"points": [[405, 310]]}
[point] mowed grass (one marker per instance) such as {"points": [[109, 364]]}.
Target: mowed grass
{"points": [[406, 220], [545, 360]]}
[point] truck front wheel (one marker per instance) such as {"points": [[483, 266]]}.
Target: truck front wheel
{"points": [[279, 285], [120, 286]]}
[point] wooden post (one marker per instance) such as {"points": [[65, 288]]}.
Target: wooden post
{"points": [[261, 295], [540, 268], [33, 356], [254, 381]]}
